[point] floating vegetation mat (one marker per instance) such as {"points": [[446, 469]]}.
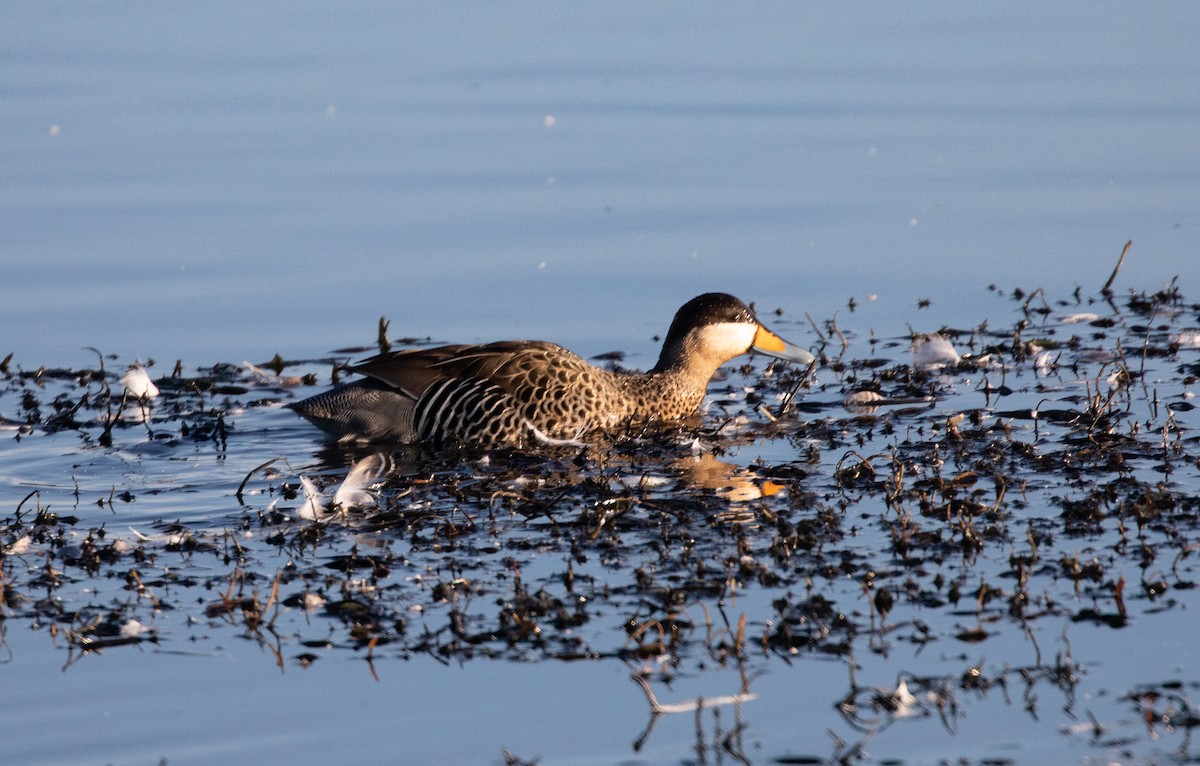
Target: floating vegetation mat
{"points": [[982, 496]]}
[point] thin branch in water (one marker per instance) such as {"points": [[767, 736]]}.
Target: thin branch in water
{"points": [[245, 481], [813, 324], [1106, 290], [786, 404]]}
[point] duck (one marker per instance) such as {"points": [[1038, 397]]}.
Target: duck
{"points": [[525, 393]]}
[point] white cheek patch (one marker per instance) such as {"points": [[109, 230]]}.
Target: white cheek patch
{"points": [[728, 338]]}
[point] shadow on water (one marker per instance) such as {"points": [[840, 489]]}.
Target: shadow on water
{"points": [[943, 523]]}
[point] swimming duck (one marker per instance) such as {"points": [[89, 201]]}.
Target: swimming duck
{"points": [[521, 393]]}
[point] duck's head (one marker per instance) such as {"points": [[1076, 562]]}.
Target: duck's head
{"points": [[713, 328]]}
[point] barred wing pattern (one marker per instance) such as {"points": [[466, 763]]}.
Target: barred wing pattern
{"points": [[503, 393], [469, 410]]}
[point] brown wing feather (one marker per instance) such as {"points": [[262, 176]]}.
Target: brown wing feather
{"points": [[505, 363], [410, 372]]}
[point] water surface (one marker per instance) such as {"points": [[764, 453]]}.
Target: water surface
{"points": [[227, 182]]}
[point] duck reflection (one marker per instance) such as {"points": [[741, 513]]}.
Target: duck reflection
{"points": [[366, 470], [728, 481]]}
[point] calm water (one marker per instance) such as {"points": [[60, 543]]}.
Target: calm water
{"points": [[225, 182], [220, 182]]}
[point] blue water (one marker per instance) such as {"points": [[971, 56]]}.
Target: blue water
{"points": [[221, 182], [226, 181]]}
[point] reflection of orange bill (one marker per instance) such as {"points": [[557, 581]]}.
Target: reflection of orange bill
{"points": [[771, 488]]}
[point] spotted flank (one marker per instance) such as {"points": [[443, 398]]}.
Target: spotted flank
{"points": [[531, 393]]}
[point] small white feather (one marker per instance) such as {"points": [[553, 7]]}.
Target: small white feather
{"points": [[548, 440], [906, 703], [1045, 362], [358, 489], [133, 629], [314, 506], [1188, 339], [863, 399], [931, 352], [138, 384]]}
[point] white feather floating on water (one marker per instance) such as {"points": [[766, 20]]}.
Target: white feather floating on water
{"points": [[932, 352], [1077, 318], [314, 502], [548, 440], [862, 399], [1188, 339], [137, 383], [263, 376], [1045, 362], [358, 489], [133, 629], [906, 703]]}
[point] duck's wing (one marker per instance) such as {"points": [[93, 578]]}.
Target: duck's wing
{"points": [[507, 364], [410, 372], [502, 392]]}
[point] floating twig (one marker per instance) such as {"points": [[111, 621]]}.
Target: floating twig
{"points": [[246, 480], [1106, 290]]}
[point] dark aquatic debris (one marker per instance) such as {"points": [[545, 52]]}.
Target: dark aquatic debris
{"points": [[906, 523]]}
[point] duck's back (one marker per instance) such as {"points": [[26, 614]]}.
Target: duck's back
{"points": [[506, 393]]}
